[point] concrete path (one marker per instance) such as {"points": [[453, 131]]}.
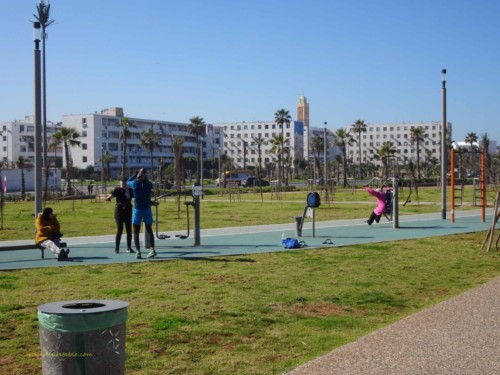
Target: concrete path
{"points": [[460, 336]]}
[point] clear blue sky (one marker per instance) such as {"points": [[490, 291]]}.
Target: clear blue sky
{"points": [[241, 60]]}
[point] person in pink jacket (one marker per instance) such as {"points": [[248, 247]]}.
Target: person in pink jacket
{"points": [[379, 194]]}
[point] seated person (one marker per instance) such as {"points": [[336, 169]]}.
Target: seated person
{"points": [[48, 233]]}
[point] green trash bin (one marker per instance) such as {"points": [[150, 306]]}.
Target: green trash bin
{"points": [[83, 337]]}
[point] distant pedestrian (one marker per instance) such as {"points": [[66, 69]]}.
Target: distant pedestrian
{"points": [[48, 233], [142, 188], [90, 189], [123, 213]]}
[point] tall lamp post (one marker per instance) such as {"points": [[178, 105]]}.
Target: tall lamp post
{"points": [[37, 36], [444, 159]]}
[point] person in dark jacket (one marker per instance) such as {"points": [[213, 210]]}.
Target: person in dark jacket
{"points": [[142, 188], [123, 213]]}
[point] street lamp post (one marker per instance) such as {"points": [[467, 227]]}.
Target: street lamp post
{"points": [[38, 119], [444, 159]]}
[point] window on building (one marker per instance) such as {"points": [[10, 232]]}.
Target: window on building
{"points": [[84, 159], [405, 151], [84, 146], [84, 133], [266, 126]]}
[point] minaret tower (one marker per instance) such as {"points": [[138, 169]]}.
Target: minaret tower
{"points": [[303, 115]]}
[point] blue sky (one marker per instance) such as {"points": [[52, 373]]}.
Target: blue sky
{"points": [[241, 60]]}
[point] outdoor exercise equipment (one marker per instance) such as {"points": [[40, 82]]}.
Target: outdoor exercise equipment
{"points": [[195, 192], [313, 201], [187, 204], [483, 183], [391, 199]]}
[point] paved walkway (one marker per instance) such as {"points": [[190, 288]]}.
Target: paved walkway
{"points": [[460, 336]]}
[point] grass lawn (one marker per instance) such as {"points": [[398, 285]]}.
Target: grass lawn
{"points": [[251, 314]]}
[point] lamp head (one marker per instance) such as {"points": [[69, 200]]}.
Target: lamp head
{"points": [[37, 32]]}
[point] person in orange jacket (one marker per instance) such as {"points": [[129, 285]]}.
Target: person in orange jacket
{"points": [[48, 233]]}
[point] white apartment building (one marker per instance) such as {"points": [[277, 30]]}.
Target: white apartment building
{"points": [[399, 135], [18, 139], [100, 132], [240, 148]]}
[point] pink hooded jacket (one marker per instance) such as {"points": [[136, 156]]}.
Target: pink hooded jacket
{"points": [[380, 195]]}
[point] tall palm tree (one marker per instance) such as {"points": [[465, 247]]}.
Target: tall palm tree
{"points": [[343, 139], [197, 127], [385, 153], [177, 148], [43, 16], [150, 140], [359, 127], [471, 138], [259, 142], [69, 138], [278, 143], [125, 125], [106, 160], [417, 135], [22, 163], [317, 145], [282, 117]]}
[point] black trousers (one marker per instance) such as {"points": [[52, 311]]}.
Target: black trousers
{"points": [[373, 217], [123, 219]]}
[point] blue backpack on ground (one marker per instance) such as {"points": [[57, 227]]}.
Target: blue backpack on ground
{"points": [[293, 243]]}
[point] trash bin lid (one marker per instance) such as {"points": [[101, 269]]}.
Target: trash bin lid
{"points": [[82, 315]]}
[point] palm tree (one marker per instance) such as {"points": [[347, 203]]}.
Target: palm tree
{"points": [[177, 147], [471, 138], [278, 148], [343, 139], [385, 153], [359, 127], [282, 117], [485, 141], [43, 16], [197, 127], [259, 142], [125, 134], [417, 135], [69, 138], [22, 163], [150, 141], [106, 160], [317, 145]]}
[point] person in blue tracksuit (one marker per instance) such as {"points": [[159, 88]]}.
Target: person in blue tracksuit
{"points": [[142, 189]]}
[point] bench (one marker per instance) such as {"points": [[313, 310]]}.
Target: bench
{"points": [[30, 247]]}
